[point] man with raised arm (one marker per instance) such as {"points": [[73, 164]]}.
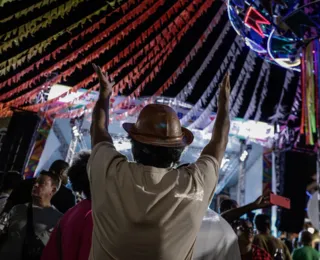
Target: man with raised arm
{"points": [[148, 209]]}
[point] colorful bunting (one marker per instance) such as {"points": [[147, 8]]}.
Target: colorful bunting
{"points": [[43, 45], [40, 22], [3, 2], [28, 10], [113, 41], [161, 57], [26, 55], [129, 78], [187, 89], [152, 51], [169, 48], [229, 59]]}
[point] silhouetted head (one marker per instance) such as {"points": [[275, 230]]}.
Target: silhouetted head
{"points": [[263, 223], [156, 156], [59, 167], [78, 174], [228, 204], [305, 238]]}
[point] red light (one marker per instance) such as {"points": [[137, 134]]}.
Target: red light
{"points": [[254, 20]]}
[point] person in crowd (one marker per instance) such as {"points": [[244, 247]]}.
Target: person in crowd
{"points": [[230, 210], [287, 239], [29, 225], [148, 209], [228, 204], [10, 181], [71, 239], [306, 251], [249, 251], [265, 240], [63, 200], [216, 239]]}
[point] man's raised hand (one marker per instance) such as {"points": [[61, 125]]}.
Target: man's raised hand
{"points": [[105, 84], [225, 90]]}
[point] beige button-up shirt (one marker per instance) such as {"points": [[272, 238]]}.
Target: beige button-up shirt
{"points": [[142, 212]]}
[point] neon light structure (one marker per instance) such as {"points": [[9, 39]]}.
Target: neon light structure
{"points": [[277, 31], [255, 20]]}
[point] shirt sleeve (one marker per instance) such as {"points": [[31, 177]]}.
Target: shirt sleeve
{"points": [[107, 164], [104, 155], [206, 170]]}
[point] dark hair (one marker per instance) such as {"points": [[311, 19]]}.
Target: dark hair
{"points": [[305, 238], [262, 223], [11, 180], [240, 223], [227, 204], [156, 156], [58, 166], [55, 178], [78, 173]]}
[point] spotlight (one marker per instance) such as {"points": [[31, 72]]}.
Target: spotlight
{"points": [[244, 155], [75, 131]]}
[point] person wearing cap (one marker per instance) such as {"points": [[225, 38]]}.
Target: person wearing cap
{"points": [[148, 209]]}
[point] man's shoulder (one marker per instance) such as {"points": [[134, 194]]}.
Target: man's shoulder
{"points": [[298, 251], [54, 212], [20, 207]]}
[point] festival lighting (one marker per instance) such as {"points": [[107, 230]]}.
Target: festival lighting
{"points": [[278, 61], [254, 46], [244, 156], [255, 20]]}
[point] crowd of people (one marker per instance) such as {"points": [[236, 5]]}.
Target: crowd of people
{"points": [[151, 208]]}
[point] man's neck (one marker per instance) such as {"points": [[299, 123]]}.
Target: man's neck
{"points": [[41, 203]]}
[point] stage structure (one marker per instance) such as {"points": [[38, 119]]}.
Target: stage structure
{"points": [[251, 132]]}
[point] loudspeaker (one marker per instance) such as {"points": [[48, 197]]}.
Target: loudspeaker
{"points": [[296, 169], [18, 141]]}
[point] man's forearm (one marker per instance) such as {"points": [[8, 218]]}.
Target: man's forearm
{"points": [[222, 124], [219, 139], [233, 214], [100, 122], [100, 114]]}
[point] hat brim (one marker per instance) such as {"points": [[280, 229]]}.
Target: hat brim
{"points": [[186, 140]]}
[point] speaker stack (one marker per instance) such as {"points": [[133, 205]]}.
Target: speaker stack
{"points": [[296, 171], [18, 141]]}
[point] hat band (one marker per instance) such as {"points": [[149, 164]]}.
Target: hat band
{"points": [[173, 138]]}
